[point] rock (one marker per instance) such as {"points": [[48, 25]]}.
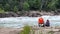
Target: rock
{"points": [[8, 14], [18, 13], [26, 13], [2, 15], [12, 14]]}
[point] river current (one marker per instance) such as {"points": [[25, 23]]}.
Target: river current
{"points": [[18, 22]]}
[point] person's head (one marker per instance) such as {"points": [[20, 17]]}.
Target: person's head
{"points": [[47, 20]]}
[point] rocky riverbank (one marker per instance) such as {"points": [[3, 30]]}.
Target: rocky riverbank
{"points": [[30, 14], [36, 30]]}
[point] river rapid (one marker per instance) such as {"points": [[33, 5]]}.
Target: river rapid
{"points": [[18, 22]]}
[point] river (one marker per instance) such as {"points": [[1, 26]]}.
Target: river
{"points": [[18, 22]]}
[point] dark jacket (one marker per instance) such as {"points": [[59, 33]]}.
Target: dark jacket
{"points": [[47, 23]]}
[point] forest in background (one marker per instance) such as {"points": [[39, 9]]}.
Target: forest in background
{"points": [[26, 5]]}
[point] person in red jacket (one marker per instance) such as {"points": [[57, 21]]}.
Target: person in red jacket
{"points": [[41, 22]]}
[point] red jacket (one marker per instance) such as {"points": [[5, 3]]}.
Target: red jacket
{"points": [[41, 21]]}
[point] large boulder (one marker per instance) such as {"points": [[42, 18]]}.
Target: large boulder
{"points": [[8, 14], [11, 14]]}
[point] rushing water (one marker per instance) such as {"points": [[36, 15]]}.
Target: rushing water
{"points": [[17, 22]]}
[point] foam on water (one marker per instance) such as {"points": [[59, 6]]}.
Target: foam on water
{"points": [[17, 22]]}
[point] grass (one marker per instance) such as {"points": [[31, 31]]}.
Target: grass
{"points": [[50, 32], [26, 30]]}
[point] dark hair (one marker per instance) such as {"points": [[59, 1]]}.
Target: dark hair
{"points": [[47, 20]]}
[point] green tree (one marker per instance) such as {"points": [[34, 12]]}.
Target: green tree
{"points": [[52, 4], [34, 4], [1, 6], [25, 6], [1, 10], [37, 4], [7, 7], [15, 9], [58, 4]]}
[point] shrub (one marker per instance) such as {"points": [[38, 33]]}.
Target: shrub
{"points": [[26, 30]]}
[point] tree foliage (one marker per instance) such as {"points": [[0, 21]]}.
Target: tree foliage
{"points": [[15, 9], [1, 10], [52, 4], [9, 5], [25, 6]]}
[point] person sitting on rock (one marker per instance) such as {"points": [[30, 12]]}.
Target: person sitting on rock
{"points": [[41, 22], [47, 23]]}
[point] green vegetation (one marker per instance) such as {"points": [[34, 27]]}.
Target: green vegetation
{"points": [[50, 32], [52, 4], [25, 6], [15, 9], [19, 5], [26, 30], [1, 10]]}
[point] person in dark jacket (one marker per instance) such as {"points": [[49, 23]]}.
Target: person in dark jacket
{"points": [[47, 23]]}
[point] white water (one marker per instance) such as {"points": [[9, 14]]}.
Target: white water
{"points": [[17, 22]]}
